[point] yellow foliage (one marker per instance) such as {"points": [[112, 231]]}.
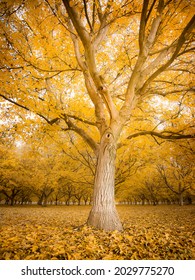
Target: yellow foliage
{"points": [[149, 234]]}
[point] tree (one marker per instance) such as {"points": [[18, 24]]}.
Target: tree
{"points": [[67, 190], [14, 176], [87, 66], [177, 175]]}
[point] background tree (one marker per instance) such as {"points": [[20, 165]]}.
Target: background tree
{"points": [[90, 66], [14, 176], [178, 176]]}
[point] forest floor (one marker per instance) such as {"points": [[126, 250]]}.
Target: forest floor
{"points": [[55, 232]]}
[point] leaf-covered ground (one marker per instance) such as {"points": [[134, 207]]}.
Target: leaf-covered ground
{"points": [[151, 232]]}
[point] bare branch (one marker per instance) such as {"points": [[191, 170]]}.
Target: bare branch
{"points": [[82, 133], [69, 123], [51, 122], [14, 102], [81, 120], [87, 17], [143, 25], [164, 135]]}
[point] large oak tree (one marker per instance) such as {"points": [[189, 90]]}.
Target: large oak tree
{"points": [[87, 66]]}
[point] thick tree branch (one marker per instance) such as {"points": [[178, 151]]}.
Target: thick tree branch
{"points": [[143, 25], [78, 24], [28, 109], [76, 47], [147, 71], [101, 32], [82, 133], [65, 117], [14, 102], [145, 44], [97, 101], [81, 120], [180, 42], [155, 25], [99, 108], [86, 15], [164, 135], [90, 58], [150, 10]]}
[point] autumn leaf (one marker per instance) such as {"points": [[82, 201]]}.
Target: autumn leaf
{"points": [[90, 87]]}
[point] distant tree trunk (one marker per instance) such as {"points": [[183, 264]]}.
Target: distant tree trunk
{"points": [[12, 200], [7, 201], [189, 200], [46, 197], [11, 197], [181, 198], [103, 214], [67, 201], [78, 198], [85, 199], [40, 201], [45, 201]]}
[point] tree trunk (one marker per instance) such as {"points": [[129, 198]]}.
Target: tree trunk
{"points": [[56, 201], [181, 198], [40, 201], [12, 200], [103, 214], [45, 200]]}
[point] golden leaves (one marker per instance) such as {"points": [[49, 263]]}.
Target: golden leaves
{"points": [[150, 233]]}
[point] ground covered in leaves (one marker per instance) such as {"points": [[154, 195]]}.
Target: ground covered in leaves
{"points": [[55, 232]]}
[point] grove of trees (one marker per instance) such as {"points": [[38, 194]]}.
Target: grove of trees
{"points": [[97, 97]]}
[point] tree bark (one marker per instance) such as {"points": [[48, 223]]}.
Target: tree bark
{"points": [[181, 198], [40, 200], [103, 214]]}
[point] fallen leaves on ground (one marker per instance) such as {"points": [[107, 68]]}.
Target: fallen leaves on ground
{"points": [[55, 233]]}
